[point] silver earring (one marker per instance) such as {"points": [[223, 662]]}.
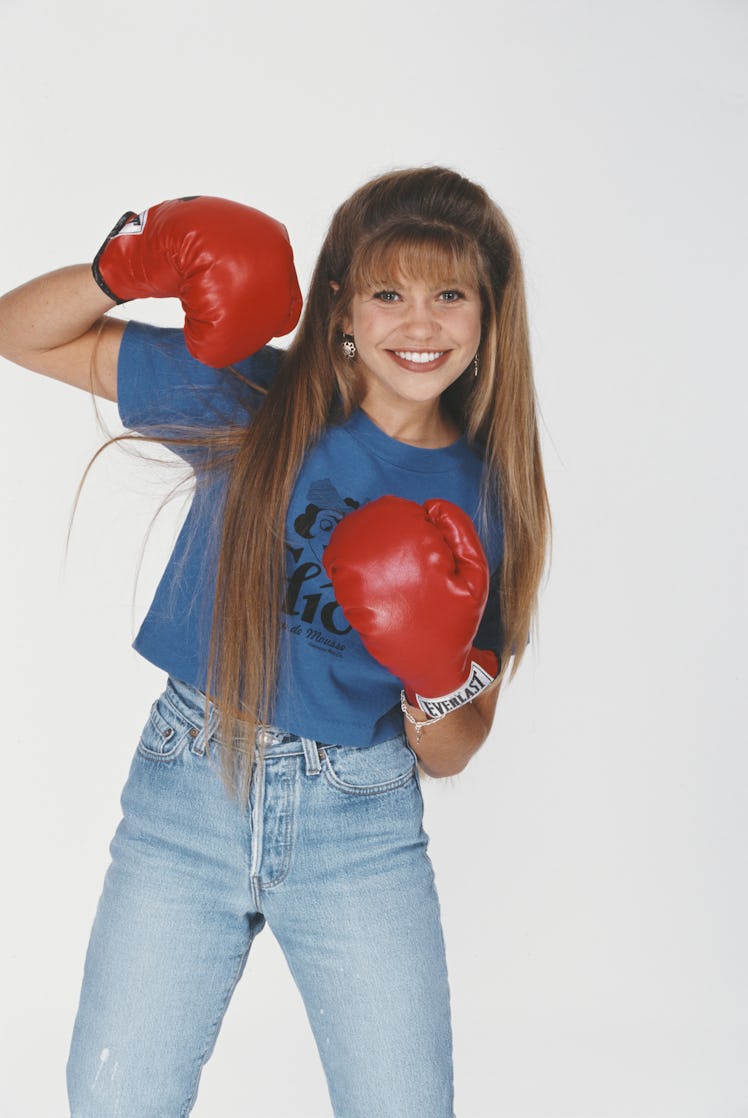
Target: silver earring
{"points": [[348, 347], [475, 365]]}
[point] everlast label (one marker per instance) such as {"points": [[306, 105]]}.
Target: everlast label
{"points": [[476, 682]]}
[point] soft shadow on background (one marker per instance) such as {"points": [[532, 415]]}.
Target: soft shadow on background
{"points": [[591, 859]]}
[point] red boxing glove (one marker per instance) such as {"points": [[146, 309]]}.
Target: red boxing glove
{"points": [[413, 581], [229, 265]]}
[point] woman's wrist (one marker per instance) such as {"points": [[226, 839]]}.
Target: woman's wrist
{"points": [[445, 744], [416, 717]]}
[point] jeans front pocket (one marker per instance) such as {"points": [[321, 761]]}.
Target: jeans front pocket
{"points": [[166, 732], [370, 770]]}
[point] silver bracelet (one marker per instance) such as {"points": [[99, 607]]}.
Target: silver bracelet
{"points": [[419, 724]]}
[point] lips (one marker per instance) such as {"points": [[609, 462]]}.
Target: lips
{"points": [[415, 360]]}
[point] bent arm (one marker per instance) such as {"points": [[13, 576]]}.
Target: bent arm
{"points": [[57, 325], [446, 746]]}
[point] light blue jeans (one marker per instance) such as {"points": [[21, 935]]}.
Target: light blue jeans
{"points": [[330, 851]]}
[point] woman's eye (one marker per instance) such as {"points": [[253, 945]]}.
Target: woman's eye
{"points": [[451, 296], [386, 296]]}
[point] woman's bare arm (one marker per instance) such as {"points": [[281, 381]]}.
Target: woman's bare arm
{"points": [[446, 746], [56, 325]]}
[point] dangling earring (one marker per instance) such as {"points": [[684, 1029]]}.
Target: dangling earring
{"points": [[348, 346], [475, 365]]}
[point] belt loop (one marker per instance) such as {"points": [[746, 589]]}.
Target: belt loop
{"points": [[311, 757], [214, 728], [201, 737]]}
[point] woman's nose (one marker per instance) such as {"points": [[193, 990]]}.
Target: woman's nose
{"points": [[420, 321]]}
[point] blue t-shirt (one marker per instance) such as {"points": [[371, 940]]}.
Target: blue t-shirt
{"points": [[329, 688]]}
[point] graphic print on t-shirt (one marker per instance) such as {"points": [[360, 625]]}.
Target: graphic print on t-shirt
{"points": [[310, 609]]}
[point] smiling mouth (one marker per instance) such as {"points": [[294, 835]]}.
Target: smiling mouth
{"points": [[421, 357], [425, 359]]}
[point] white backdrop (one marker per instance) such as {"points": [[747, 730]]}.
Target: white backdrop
{"points": [[591, 859]]}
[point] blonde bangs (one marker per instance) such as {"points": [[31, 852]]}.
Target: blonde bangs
{"points": [[436, 256]]}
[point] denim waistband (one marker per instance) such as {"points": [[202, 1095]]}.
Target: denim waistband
{"points": [[190, 702]]}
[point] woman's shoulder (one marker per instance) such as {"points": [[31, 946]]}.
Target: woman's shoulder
{"points": [[158, 380], [165, 344]]}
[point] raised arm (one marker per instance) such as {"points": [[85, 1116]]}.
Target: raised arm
{"points": [[231, 267], [56, 325]]}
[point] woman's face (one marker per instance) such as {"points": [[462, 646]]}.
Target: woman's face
{"points": [[414, 339]]}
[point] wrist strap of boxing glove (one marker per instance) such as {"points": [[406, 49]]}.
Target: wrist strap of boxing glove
{"points": [[477, 680], [129, 223]]}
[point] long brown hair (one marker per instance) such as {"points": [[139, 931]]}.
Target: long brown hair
{"points": [[423, 222]]}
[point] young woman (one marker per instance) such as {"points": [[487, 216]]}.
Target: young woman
{"points": [[358, 568]]}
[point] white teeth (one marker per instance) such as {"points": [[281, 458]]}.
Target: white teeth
{"points": [[418, 358]]}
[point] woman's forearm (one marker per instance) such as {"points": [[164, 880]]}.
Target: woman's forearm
{"points": [[50, 311], [53, 325], [444, 747]]}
